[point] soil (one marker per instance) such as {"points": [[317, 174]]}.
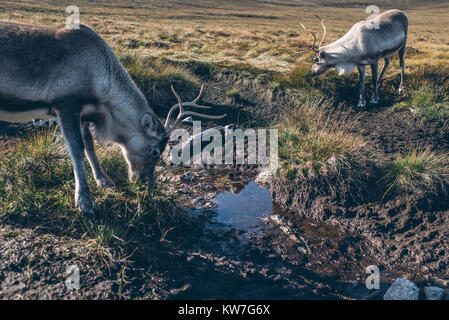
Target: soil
{"points": [[406, 234], [200, 259], [204, 260]]}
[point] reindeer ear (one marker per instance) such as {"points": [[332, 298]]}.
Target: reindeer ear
{"points": [[148, 125]]}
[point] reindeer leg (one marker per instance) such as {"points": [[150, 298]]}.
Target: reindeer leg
{"points": [[102, 180], [386, 64], [401, 61], [362, 72], [374, 70], [69, 121]]}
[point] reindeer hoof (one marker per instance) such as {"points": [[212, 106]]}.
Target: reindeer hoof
{"points": [[105, 183], [362, 104], [374, 101], [401, 91], [86, 205]]}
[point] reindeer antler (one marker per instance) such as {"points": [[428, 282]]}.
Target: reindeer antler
{"points": [[183, 114], [314, 39], [324, 30], [314, 35]]}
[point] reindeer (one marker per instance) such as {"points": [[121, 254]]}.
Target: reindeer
{"points": [[364, 45], [73, 75]]}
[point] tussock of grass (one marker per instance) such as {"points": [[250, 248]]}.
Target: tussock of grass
{"points": [[419, 173], [311, 139], [319, 158]]}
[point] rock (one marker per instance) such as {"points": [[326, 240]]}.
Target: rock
{"points": [[434, 293], [188, 176], [402, 289], [263, 179]]}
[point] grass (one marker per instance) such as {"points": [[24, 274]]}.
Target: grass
{"points": [[163, 46], [420, 173], [341, 89], [153, 74], [159, 44], [428, 92], [320, 157], [37, 186], [233, 93], [264, 35], [430, 103], [310, 140]]}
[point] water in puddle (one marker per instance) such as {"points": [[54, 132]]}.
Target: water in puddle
{"points": [[245, 208], [332, 252]]}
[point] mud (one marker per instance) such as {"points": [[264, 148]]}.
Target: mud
{"points": [[207, 258], [405, 233]]}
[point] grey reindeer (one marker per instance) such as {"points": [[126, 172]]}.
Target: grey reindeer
{"points": [[364, 44], [73, 75]]}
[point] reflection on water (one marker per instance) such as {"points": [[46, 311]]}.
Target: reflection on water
{"points": [[322, 248], [243, 208]]}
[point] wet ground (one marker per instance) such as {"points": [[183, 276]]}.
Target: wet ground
{"points": [[240, 245], [242, 223]]}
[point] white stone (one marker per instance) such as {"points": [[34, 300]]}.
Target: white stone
{"points": [[263, 179], [402, 289]]}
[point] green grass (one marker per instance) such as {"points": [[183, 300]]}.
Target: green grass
{"points": [[233, 93], [320, 158], [153, 74], [421, 172], [330, 84], [37, 188], [429, 102], [310, 141]]}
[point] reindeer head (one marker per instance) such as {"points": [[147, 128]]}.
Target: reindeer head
{"points": [[143, 151], [322, 61]]}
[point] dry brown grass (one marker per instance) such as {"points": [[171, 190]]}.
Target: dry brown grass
{"points": [[265, 34]]}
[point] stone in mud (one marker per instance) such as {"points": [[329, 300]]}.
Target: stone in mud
{"points": [[263, 179], [434, 293], [402, 289]]}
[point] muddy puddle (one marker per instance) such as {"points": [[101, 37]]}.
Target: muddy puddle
{"points": [[244, 224], [244, 209]]}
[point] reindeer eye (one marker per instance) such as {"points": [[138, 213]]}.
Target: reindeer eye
{"points": [[322, 54]]}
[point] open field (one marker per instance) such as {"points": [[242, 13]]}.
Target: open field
{"points": [[265, 34], [360, 187]]}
